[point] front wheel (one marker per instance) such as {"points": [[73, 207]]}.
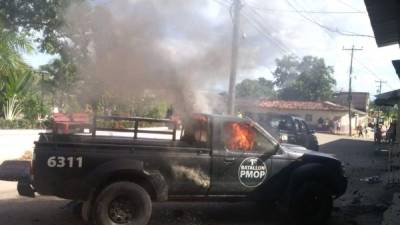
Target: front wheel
{"points": [[311, 204], [122, 203]]}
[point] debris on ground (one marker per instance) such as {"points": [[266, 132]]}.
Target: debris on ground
{"points": [[372, 180], [27, 155]]}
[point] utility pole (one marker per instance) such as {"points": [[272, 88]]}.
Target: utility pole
{"points": [[379, 92], [237, 4], [350, 97]]}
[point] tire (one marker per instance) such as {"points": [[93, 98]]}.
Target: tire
{"points": [[122, 203], [310, 204]]}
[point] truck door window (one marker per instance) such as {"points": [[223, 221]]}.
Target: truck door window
{"points": [[303, 126], [297, 126], [285, 124], [241, 136], [196, 132]]}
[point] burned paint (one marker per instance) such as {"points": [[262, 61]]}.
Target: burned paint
{"points": [[196, 175]]}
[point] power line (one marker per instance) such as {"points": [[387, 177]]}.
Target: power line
{"points": [[307, 11], [311, 20], [349, 6], [260, 27], [372, 72], [265, 32], [223, 3]]}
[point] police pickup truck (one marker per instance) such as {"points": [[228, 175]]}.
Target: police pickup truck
{"points": [[213, 157]]}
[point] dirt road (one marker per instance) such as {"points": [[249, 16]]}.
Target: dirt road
{"points": [[363, 203]]}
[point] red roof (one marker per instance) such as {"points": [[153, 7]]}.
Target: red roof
{"points": [[300, 105]]}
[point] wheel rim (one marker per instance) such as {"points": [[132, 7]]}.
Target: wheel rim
{"points": [[121, 210]]}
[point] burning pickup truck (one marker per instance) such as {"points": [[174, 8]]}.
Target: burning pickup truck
{"points": [[213, 157]]}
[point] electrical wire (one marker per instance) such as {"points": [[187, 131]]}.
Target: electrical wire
{"points": [[366, 68], [311, 20], [305, 11], [261, 29], [350, 6], [266, 33], [286, 50]]}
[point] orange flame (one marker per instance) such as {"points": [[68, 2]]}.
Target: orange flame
{"points": [[241, 137]]}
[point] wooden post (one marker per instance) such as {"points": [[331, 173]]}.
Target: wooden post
{"points": [[174, 132], [136, 129], [94, 124]]}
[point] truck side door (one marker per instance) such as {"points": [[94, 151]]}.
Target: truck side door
{"points": [[239, 158], [190, 166]]}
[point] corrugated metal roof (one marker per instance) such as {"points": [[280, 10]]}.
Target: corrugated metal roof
{"points": [[388, 99], [385, 20]]}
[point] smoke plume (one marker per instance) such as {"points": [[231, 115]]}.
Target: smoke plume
{"points": [[171, 48]]}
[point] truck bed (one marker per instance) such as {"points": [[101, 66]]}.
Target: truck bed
{"points": [[77, 139]]}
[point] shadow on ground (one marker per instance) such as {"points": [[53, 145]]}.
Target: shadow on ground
{"points": [[44, 211], [363, 203]]}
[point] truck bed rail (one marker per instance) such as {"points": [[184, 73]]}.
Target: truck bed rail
{"points": [[135, 130]]}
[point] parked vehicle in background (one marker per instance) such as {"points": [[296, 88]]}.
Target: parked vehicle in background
{"points": [[287, 129]]}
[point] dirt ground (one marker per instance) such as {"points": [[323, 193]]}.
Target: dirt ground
{"points": [[363, 203]]}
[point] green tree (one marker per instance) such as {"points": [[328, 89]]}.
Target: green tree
{"points": [[259, 88], [286, 71], [60, 80], [12, 43], [309, 79], [13, 91], [44, 16]]}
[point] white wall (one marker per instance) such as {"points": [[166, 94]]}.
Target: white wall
{"points": [[301, 113], [316, 114], [13, 143]]}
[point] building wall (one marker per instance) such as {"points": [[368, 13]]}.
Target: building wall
{"points": [[360, 100]]}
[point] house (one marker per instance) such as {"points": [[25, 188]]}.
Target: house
{"points": [[313, 112], [359, 100], [385, 21], [391, 98]]}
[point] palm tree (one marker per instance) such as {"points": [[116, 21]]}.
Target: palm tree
{"points": [[12, 43], [14, 89], [15, 75]]}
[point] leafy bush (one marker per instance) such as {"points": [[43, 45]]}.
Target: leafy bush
{"points": [[19, 124], [33, 108]]}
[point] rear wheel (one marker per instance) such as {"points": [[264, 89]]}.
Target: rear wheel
{"points": [[310, 204], [122, 203]]}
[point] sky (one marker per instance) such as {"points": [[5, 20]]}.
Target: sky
{"points": [[271, 29]]}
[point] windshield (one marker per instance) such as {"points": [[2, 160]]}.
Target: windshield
{"points": [[264, 132]]}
